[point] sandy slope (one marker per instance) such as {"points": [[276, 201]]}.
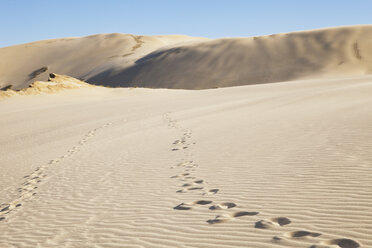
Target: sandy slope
{"points": [[81, 58], [191, 63], [274, 165]]}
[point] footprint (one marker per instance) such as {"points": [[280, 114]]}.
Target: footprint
{"points": [[189, 189], [54, 161], [244, 213], [2, 218], [266, 224], [216, 220], [183, 164], [199, 181], [182, 206], [10, 207], [224, 205], [282, 221], [342, 243], [211, 191], [276, 239], [226, 217], [192, 167], [203, 202], [5, 208], [219, 219], [188, 206], [183, 176], [195, 188], [301, 234]]}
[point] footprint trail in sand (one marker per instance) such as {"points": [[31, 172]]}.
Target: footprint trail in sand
{"points": [[29, 186], [191, 184]]}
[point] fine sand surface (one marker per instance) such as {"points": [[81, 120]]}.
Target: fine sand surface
{"points": [[184, 62], [270, 165]]}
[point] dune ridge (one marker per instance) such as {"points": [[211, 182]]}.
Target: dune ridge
{"points": [[184, 62]]}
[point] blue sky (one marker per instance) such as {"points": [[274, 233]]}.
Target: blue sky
{"points": [[24, 21]]}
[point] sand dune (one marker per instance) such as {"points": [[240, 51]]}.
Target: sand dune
{"points": [[81, 58], [255, 60], [273, 165], [191, 63]]}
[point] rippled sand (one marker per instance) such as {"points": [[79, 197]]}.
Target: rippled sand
{"points": [[274, 165]]}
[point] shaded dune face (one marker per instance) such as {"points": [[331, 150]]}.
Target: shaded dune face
{"points": [[213, 64], [128, 60]]}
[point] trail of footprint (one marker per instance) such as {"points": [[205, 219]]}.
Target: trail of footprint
{"points": [[192, 186], [29, 185], [262, 224]]}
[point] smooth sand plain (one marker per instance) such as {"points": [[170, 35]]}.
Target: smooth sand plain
{"points": [[271, 165]]}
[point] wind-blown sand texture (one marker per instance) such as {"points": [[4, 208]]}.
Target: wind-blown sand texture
{"points": [[271, 165], [191, 63]]}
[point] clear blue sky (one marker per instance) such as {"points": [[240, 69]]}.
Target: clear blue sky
{"points": [[24, 21]]}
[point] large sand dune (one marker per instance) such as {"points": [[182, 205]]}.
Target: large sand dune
{"points": [[191, 63]]}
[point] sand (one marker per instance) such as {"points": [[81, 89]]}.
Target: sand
{"points": [[182, 62], [270, 165], [82, 58], [282, 159]]}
